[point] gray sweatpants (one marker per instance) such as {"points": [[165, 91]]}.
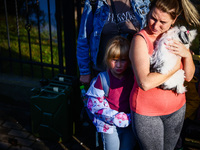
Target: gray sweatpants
{"points": [[158, 132]]}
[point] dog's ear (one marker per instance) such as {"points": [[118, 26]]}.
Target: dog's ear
{"points": [[192, 34], [183, 28]]}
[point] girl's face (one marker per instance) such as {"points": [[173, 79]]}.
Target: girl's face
{"points": [[159, 21], [118, 66]]}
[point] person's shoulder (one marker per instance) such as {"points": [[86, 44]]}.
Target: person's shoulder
{"points": [[141, 35], [98, 83], [141, 32]]}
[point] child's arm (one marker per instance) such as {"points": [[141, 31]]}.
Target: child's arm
{"points": [[100, 108]]}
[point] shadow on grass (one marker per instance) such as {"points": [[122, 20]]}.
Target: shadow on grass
{"points": [[11, 63]]}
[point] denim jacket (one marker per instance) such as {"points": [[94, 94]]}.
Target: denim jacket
{"points": [[91, 28]]}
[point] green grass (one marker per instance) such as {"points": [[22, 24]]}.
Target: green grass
{"points": [[35, 48], [24, 46]]}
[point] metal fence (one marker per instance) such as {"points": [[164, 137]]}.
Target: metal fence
{"points": [[38, 37]]}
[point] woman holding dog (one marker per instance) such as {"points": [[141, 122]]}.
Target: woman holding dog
{"points": [[158, 114]]}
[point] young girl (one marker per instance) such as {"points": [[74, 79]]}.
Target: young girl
{"points": [[112, 112]]}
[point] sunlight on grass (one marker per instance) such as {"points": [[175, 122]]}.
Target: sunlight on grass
{"points": [[29, 49]]}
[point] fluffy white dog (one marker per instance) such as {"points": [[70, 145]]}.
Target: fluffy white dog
{"points": [[163, 60]]}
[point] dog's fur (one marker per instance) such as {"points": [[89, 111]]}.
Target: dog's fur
{"points": [[163, 60]]}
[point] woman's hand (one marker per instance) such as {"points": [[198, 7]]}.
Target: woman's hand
{"points": [[178, 48], [188, 65]]}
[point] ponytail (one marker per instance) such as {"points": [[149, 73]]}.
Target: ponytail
{"points": [[190, 12]]}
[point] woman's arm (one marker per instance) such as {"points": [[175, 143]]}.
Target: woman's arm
{"points": [[140, 61], [188, 67]]}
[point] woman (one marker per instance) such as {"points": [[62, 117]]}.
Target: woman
{"points": [[158, 114], [99, 25]]}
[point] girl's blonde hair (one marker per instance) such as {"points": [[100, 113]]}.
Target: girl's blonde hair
{"points": [[117, 47], [175, 7]]}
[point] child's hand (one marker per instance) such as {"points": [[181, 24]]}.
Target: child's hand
{"points": [[121, 120]]}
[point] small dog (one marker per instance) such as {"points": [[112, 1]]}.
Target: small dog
{"points": [[163, 60]]}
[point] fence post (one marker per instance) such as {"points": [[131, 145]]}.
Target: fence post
{"points": [[69, 35], [59, 35]]}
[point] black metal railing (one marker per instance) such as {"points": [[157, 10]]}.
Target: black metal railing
{"points": [[30, 16], [55, 50]]}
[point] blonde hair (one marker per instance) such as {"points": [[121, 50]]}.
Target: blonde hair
{"points": [[190, 13], [117, 47], [175, 7]]}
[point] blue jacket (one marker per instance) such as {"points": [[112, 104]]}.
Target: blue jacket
{"points": [[91, 28]]}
